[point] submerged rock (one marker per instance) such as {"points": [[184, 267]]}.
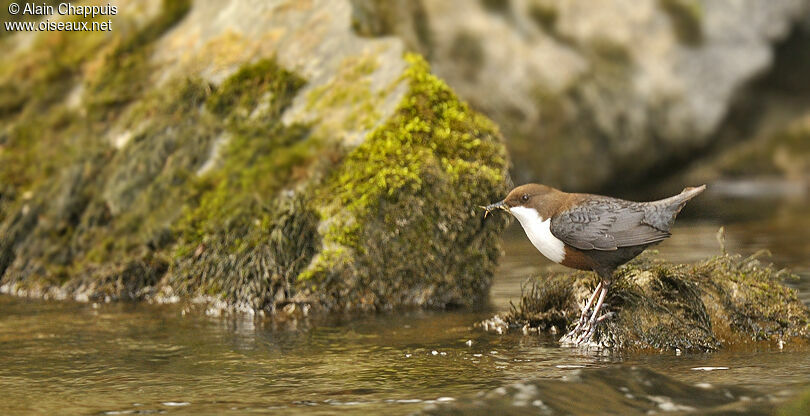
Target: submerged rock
{"points": [[796, 407], [614, 390], [723, 301], [255, 156]]}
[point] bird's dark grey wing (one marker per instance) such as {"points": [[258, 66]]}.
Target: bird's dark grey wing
{"points": [[603, 223]]}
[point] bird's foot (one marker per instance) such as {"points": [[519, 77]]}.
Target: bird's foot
{"points": [[572, 337], [590, 330], [585, 329], [607, 315]]}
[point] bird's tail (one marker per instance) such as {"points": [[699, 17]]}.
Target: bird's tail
{"points": [[668, 208], [685, 195]]}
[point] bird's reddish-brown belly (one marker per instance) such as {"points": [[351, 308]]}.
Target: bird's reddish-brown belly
{"points": [[577, 259]]}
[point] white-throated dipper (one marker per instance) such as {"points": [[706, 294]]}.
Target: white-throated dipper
{"points": [[591, 232]]}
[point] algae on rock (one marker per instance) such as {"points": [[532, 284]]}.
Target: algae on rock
{"points": [[723, 301], [272, 184], [404, 203]]}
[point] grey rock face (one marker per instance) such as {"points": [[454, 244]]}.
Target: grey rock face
{"points": [[588, 93]]}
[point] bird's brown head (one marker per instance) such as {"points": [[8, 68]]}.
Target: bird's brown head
{"points": [[542, 198]]}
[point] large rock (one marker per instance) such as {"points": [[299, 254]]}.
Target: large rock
{"points": [[590, 93], [257, 154]]}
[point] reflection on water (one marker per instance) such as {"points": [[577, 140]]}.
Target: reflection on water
{"points": [[124, 358]]}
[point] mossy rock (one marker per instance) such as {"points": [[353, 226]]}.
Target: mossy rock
{"points": [[200, 189], [405, 228], [722, 302]]}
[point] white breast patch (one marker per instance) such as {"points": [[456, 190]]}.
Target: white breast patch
{"points": [[539, 232]]}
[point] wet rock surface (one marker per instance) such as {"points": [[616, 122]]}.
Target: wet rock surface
{"points": [[255, 156], [722, 302]]}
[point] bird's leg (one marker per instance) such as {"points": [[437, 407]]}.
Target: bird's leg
{"points": [[588, 305], [583, 318], [586, 337]]}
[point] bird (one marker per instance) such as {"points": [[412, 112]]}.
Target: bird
{"points": [[590, 232]]}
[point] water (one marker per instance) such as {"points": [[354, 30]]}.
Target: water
{"points": [[70, 358]]}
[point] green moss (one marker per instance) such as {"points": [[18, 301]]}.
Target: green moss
{"points": [[404, 200], [687, 19], [114, 223], [44, 135], [721, 302], [350, 90], [41, 135], [430, 127], [146, 178], [259, 151], [105, 220], [250, 85], [126, 72], [104, 216], [234, 222], [43, 76]]}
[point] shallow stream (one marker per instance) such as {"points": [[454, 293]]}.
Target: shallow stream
{"points": [[72, 358]]}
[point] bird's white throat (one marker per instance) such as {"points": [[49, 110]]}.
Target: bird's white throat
{"points": [[539, 232]]}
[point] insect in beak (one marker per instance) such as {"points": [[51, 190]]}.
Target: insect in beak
{"points": [[491, 207]]}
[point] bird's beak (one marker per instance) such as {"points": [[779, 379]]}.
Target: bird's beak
{"points": [[491, 207]]}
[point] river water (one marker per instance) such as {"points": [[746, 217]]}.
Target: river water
{"points": [[72, 358]]}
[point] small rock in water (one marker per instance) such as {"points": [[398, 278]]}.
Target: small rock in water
{"points": [[469, 343]]}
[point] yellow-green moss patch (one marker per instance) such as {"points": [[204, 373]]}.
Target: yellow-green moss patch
{"points": [[404, 198]]}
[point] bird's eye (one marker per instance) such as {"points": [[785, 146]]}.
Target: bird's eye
{"points": [[525, 198]]}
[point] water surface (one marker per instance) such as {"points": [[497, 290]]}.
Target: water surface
{"points": [[65, 357]]}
